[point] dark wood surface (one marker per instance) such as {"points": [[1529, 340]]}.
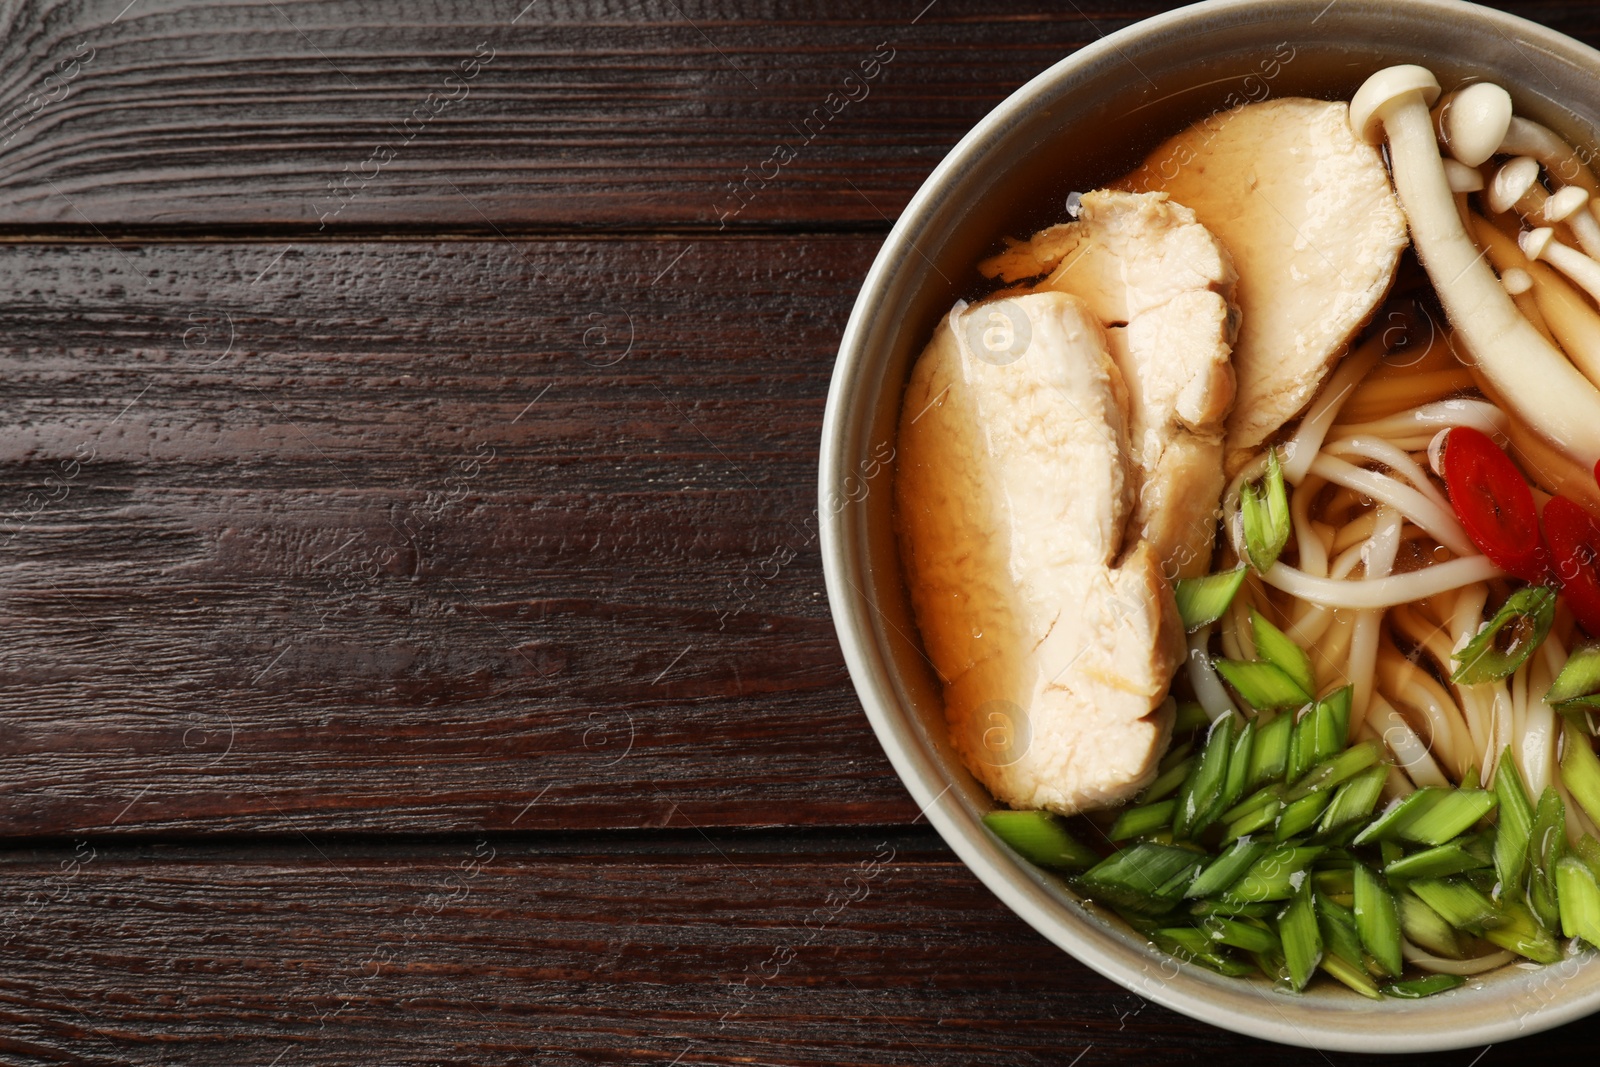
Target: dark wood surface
{"points": [[415, 645]]}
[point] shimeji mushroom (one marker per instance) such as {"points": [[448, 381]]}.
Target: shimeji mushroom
{"points": [[1571, 206], [1515, 186], [1533, 377], [1463, 180], [1473, 121], [1556, 310], [1540, 245], [1524, 137]]}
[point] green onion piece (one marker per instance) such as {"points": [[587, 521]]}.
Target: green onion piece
{"points": [[1266, 796], [1168, 780], [1242, 935], [1274, 646], [1346, 765], [1354, 801], [1378, 920], [1202, 790], [1457, 903], [1578, 684], [1201, 601], [1264, 509], [1454, 813], [1302, 746], [1546, 845], [1178, 753], [1440, 862], [1275, 875], [1472, 779], [1580, 899], [1580, 769], [1264, 686], [1588, 850], [1301, 815], [1195, 946], [1515, 827], [1191, 717], [1333, 882], [1041, 837], [1227, 868], [1269, 759], [1424, 926], [1137, 822], [1417, 988], [1234, 908], [1340, 937], [1301, 937], [1351, 975], [1401, 814], [1137, 878], [1238, 779], [1258, 817], [1503, 645], [1333, 723], [1520, 931]]}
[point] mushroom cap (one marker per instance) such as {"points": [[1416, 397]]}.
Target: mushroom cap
{"points": [[1516, 280], [1462, 178], [1564, 203], [1512, 182], [1534, 242], [1384, 88], [1474, 122]]}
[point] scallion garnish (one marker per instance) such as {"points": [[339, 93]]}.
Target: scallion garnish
{"points": [[1508, 639], [1041, 838], [1274, 646], [1201, 601], [1578, 684], [1264, 511]]}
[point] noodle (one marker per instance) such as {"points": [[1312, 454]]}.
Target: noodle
{"points": [[1303, 447], [1476, 965], [1428, 419], [1434, 517], [1382, 592], [1378, 552]]}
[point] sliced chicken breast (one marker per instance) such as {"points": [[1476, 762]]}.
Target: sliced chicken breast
{"points": [[1054, 638]]}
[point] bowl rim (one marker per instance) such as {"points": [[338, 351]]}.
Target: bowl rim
{"points": [[1190, 990]]}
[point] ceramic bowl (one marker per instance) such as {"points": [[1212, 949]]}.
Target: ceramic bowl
{"points": [[1081, 123]]}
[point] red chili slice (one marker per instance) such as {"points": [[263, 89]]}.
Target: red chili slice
{"points": [[1493, 502], [1575, 549]]}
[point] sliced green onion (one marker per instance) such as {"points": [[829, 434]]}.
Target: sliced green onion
{"points": [[1269, 759], [1351, 975], [1227, 868], [1201, 601], [1401, 814], [1578, 684], [1519, 627], [1417, 988], [1191, 716], [1303, 746], [1333, 723], [1580, 769], [1275, 875], [1588, 850], [1274, 646], [1514, 828], [1242, 935], [1440, 862], [1546, 845], [1378, 920], [1264, 510], [1520, 931], [1264, 686], [1424, 926], [1454, 814], [1354, 801], [1334, 882], [1234, 908], [1329, 773], [1041, 837], [1202, 790], [1195, 946], [1137, 877], [1580, 899], [1301, 815], [1338, 924], [1457, 903], [1259, 816], [1238, 779], [1301, 937], [1168, 780], [1137, 822]]}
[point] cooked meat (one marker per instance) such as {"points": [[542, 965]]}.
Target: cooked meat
{"points": [[1304, 207], [1160, 282], [1055, 638]]}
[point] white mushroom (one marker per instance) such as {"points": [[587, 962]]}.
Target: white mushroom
{"points": [[1541, 245], [1516, 185], [1535, 379], [1524, 137], [1473, 121], [1556, 309], [1516, 280], [1463, 180], [1571, 206]]}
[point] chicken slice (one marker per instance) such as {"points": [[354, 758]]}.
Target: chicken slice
{"points": [[1161, 284], [1305, 209], [1055, 639]]}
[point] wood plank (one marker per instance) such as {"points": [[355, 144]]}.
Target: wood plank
{"points": [[812, 952], [410, 552]]}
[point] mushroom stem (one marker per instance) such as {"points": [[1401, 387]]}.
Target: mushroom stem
{"points": [[1515, 186], [1541, 245], [1533, 376], [1524, 137], [1571, 206], [1556, 309]]}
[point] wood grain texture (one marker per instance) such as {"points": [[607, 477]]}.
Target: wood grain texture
{"points": [[811, 952], [424, 540]]}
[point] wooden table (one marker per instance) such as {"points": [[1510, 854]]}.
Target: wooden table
{"points": [[415, 644]]}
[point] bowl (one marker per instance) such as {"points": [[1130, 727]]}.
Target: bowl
{"points": [[1081, 123]]}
